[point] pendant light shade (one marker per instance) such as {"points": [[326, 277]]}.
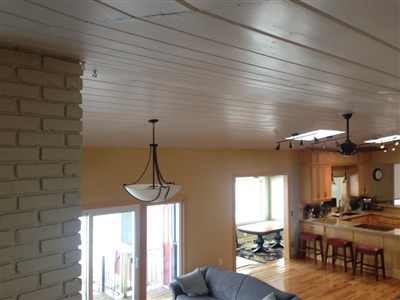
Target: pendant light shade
{"points": [[156, 191], [150, 193]]}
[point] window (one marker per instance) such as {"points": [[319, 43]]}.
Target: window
{"points": [[277, 196], [251, 204], [259, 199]]}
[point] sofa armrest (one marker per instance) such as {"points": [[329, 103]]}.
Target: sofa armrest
{"points": [[175, 289]]}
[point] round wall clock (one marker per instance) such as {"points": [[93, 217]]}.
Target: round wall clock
{"points": [[378, 174]]}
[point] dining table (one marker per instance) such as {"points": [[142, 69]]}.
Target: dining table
{"points": [[263, 228]]}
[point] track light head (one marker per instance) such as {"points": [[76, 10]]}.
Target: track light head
{"points": [[278, 147], [316, 140], [291, 145]]}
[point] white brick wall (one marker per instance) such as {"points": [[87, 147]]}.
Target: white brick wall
{"points": [[40, 140]]}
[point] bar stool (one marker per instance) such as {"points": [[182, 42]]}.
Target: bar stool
{"points": [[339, 244], [304, 238], [367, 250]]}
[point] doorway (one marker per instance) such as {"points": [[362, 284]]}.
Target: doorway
{"points": [[262, 198]]}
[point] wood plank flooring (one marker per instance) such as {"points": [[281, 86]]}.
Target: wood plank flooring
{"points": [[311, 281]]}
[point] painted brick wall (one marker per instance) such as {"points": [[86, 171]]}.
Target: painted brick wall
{"points": [[40, 139]]}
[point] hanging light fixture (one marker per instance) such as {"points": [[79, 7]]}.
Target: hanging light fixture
{"points": [[160, 191], [345, 175]]}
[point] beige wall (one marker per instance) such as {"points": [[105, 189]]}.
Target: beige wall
{"points": [[207, 180], [384, 189]]}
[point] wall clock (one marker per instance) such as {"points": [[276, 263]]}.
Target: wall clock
{"points": [[378, 174]]}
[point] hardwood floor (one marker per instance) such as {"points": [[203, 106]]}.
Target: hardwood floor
{"points": [[311, 282]]}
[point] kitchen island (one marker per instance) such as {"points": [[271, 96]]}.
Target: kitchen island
{"points": [[382, 233]]}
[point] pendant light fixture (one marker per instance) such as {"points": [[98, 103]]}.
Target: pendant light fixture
{"points": [[156, 191]]}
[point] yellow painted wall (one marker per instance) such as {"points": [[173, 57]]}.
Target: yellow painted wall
{"points": [[207, 180], [384, 189]]}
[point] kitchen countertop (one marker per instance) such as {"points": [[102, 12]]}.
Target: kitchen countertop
{"points": [[386, 205], [344, 223]]}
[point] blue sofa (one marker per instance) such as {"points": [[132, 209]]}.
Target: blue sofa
{"points": [[225, 285]]}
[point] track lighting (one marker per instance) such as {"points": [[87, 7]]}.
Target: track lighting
{"points": [[316, 140], [278, 147], [301, 142], [291, 145], [382, 146]]}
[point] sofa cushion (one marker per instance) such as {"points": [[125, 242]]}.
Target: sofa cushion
{"points": [[202, 297], [254, 289], [224, 285], [269, 297], [193, 284]]}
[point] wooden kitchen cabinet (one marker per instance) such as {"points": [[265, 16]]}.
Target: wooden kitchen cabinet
{"points": [[321, 178], [359, 180], [361, 220], [374, 220], [389, 222], [315, 180], [313, 228]]}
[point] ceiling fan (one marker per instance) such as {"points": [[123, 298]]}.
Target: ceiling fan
{"points": [[347, 148]]}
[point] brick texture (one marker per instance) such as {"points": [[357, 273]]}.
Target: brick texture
{"points": [[40, 137]]}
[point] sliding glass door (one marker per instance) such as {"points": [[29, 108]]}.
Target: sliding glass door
{"points": [[163, 248], [109, 253]]}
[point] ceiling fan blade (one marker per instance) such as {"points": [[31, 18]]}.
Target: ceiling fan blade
{"points": [[370, 149], [323, 149]]}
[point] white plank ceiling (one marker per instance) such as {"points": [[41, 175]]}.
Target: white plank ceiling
{"points": [[221, 74]]}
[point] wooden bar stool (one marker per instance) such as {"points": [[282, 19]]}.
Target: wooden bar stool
{"points": [[302, 245], [367, 250], [339, 244]]}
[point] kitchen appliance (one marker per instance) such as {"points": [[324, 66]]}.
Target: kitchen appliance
{"points": [[366, 204]]}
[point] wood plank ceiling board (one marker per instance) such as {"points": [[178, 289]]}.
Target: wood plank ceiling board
{"points": [[220, 74]]}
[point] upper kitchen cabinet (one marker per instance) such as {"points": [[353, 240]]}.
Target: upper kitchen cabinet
{"points": [[337, 159], [359, 180], [315, 178]]}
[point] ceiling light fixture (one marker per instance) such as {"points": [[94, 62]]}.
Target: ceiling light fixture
{"points": [[278, 147], [318, 134], [314, 136], [160, 191], [386, 139], [389, 93]]}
